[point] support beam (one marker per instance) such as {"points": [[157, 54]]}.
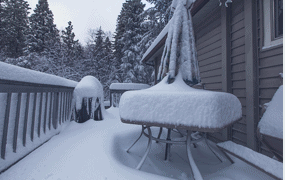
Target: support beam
{"points": [[251, 72], [226, 56]]}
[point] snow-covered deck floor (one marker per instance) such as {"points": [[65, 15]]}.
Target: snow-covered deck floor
{"points": [[96, 150]]}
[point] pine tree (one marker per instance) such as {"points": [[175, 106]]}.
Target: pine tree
{"points": [[131, 36], [71, 46], [106, 69], [13, 27], [44, 33]]}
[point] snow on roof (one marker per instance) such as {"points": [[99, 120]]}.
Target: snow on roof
{"points": [[15, 73], [161, 35], [266, 163], [180, 105], [128, 86], [271, 122]]}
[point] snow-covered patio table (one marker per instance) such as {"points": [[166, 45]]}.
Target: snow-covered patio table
{"points": [[179, 106]]}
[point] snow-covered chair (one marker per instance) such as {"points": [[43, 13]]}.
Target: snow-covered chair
{"points": [[270, 127], [178, 106]]}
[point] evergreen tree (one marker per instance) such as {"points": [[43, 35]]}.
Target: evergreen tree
{"points": [[106, 69], [13, 26], [131, 36], [44, 33], [162, 11], [71, 46]]}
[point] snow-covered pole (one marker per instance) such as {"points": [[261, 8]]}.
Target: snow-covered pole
{"points": [[226, 3], [179, 54]]}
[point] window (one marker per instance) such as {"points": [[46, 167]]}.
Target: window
{"points": [[278, 18], [273, 22]]}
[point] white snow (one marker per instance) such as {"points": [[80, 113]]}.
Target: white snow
{"points": [[271, 122], [178, 104], [91, 87], [15, 73], [266, 163], [180, 49], [128, 86], [97, 150]]}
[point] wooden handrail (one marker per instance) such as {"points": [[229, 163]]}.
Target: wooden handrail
{"points": [[32, 114]]}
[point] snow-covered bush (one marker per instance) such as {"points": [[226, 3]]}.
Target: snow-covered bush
{"points": [[89, 87]]}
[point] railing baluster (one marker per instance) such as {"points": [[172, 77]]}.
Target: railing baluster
{"points": [[34, 116], [6, 123], [45, 115], [55, 110], [26, 119], [50, 111], [69, 105], [16, 127], [60, 107], [40, 114], [65, 106]]}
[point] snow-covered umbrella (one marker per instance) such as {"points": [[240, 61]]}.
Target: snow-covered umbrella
{"points": [[179, 54]]}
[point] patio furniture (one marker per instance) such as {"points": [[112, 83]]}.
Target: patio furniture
{"points": [[167, 148], [178, 106]]}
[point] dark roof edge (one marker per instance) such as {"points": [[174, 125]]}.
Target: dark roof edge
{"points": [[196, 7]]}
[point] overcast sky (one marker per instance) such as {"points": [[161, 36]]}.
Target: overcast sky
{"points": [[85, 14]]}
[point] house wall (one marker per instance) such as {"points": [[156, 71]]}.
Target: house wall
{"points": [[252, 75], [209, 51], [238, 74], [270, 64]]}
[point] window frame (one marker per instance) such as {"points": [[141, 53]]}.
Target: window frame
{"points": [[269, 39]]}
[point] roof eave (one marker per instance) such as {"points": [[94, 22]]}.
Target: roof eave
{"points": [[196, 7]]}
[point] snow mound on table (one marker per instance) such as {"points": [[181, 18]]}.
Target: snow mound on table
{"points": [[89, 86], [271, 122], [180, 105], [15, 73], [128, 86]]}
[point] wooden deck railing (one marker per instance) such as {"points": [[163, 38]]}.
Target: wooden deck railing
{"points": [[30, 114]]}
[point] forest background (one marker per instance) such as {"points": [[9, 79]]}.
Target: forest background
{"points": [[33, 41]]}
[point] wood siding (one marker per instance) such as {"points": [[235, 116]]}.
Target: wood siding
{"points": [[245, 70], [209, 50], [270, 64], [238, 77]]}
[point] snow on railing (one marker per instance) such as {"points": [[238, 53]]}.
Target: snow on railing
{"points": [[117, 89], [34, 106]]}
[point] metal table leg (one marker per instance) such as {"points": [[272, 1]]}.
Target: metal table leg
{"points": [[167, 150], [206, 140], [195, 171], [147, 150], [159, 134], [136, 140]]}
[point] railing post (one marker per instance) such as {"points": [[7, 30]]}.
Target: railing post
{"points": [[16, 127], [6, 123], [55, 109], [45, 115], [26, 119], [60, 95], [34, 116], [50, 110]]}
